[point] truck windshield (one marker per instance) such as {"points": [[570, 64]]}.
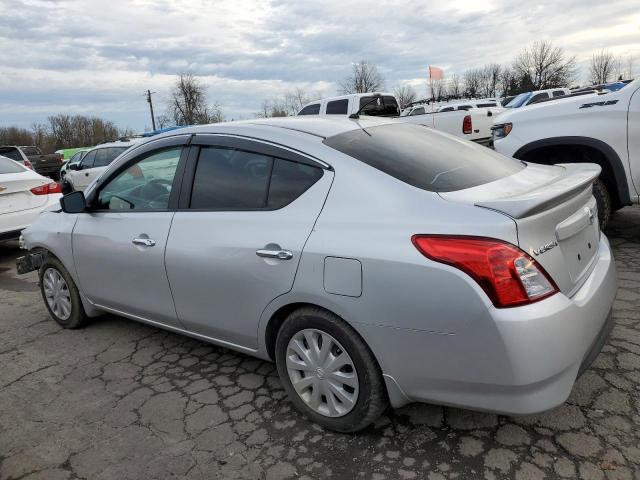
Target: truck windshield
{"points": [[519, 100], [424, 158]]}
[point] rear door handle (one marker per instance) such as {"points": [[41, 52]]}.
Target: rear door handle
{"points": [[279, 254], [144, 242]]}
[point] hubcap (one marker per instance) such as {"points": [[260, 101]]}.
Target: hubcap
{"points": [[57, 293], [322, 373]]}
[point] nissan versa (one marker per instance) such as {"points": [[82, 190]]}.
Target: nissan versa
{"points": [[375, 262]]}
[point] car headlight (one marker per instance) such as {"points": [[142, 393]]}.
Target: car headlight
{"points": [[501, 130]]}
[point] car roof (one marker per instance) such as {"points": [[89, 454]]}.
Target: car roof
{"points": [[118, 143], [322, 127]]}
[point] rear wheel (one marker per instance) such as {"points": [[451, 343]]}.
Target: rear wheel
{"points": [[328, 371], [603, 200], [60, 294]]}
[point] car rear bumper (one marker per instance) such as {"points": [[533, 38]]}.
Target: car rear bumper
{"points": [[11, 224], [515, 361]]}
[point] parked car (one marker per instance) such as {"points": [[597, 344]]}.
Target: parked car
{"points": [[529, 98], [375, 261], [94, 162], [74, 160], [23, 195], [493, 103], [597, 128], [32, 157], [474, 124]]}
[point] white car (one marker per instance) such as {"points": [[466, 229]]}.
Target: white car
{"points": [[94, 162], [23, 195], [597, 128]]}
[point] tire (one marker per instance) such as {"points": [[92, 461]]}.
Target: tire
{"points": [[52, 269], [66, 187], [603, 201], [369, 397]]}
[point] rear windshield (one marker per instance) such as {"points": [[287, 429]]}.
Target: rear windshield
{"points": [[31, 151], [381, 106], [12, 153], [9, 166], [424, 158]]}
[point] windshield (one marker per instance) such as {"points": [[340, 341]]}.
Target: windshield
{"points": [[519, 100], [424, 158]]}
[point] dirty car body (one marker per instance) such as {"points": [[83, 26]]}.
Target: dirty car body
{"points": [[472, 279]]}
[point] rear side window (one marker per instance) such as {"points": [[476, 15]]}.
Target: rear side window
{"points": [[338, 107], [289, 180], [424, 158], [230, 179], [310, 110], [9, 166], [485, 105], [558, 93], [538, 98], [105, 156]]}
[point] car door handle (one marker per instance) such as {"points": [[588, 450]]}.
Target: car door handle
{"points": [[144, 242], [279, 254]]}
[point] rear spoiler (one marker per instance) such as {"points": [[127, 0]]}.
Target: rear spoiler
{"points": [[576, 178]]}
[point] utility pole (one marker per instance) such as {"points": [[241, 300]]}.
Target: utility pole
{"points": [[153, 118]]}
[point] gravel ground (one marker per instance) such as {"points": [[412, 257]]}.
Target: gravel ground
{"points": [[122, 400]]}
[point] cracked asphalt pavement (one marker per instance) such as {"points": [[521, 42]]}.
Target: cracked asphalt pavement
{"points": [[122, 400]]}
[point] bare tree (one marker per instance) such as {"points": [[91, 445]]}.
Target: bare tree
{"points": [[489, 78], [405, 95], [273, 108], [508, 83], [163, 121], [363, 78], [188, 105], [472, 82], [623, 67], [543, 65], [601, 67], [454, 86]]}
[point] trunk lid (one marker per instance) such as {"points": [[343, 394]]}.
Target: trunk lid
{"points": [[15, 194], [555, 214]]}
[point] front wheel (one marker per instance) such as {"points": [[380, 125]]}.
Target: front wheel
{"points": [[60, 294], [328, 371]]}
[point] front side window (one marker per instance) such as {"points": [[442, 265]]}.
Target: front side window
{"points": [[338, 107], [559, 93], [87, 162], [310, 110], [144, 185], [419, 111], [229, 179], [538, 98], [423, 158]]}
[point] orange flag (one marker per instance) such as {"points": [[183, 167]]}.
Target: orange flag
{"points": [[435, 73]]}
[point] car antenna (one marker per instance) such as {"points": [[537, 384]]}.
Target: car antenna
{"points": [[376, 96]]}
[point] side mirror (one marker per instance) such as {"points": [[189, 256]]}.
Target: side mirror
{"points": [[74, 166], [73, 202]]}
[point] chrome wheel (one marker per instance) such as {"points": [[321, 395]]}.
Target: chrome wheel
{"points": [[322, 373], [57, 293]]}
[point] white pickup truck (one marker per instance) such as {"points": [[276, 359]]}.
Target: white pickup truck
{"points": [[473, 124], [602, 128]]}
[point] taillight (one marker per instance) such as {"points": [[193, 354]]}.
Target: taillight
{"points": [[46, 189], [28, 164], [508, 275], [467, 126]]}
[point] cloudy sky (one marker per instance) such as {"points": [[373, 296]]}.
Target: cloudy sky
{"points": [[99, 56]]}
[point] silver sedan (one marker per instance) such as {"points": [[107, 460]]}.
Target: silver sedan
{"points": [[375, 262]]}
